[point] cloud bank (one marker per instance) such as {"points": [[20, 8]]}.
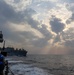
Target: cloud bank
{"points": [[39, 26]]}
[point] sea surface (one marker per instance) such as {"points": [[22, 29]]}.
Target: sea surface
{"points": [[42, 64]]}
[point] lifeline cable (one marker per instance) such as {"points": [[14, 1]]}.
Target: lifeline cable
{"points": [[11, 72]]}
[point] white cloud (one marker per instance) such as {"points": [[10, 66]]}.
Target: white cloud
{"points": [[23, 28], [18, 5]]}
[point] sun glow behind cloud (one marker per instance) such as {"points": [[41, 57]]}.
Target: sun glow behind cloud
{"points": [[41, 26]]}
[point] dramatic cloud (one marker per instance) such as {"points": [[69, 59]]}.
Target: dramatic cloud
{"points": [[47, 36], [30, 24], [57, 39], [56, 25], [8, 14], [68, 38]]}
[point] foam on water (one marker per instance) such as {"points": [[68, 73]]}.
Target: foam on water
{"points": [[42, 65], [23, 69], [20, 68]]}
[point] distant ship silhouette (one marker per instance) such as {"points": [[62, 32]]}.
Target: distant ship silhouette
{"points": [[10, 50]]}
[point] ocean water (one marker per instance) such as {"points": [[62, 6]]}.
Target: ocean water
{"points": [[42, 65]]}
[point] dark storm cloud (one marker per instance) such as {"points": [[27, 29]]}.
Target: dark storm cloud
{"points": [[29, 20], [43, 41], [39, 42], [28, 17], [34, 24], [57, 39], [16, 36], [8, 14], [56, 25], [45, 32]]}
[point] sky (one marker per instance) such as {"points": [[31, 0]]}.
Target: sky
{"points": [[39, 26]]}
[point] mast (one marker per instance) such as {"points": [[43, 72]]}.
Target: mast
{"points": [[1, 37], [4, 45]]}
